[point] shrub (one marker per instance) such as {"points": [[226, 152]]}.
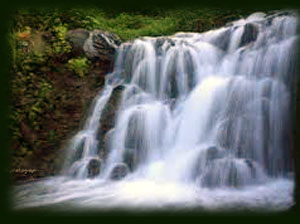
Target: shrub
{"points": [[79, 66]]}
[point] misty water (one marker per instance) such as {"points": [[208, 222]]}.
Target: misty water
{"points": [[204, 121]]}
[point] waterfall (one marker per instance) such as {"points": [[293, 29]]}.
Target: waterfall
{"points": [[83, 147], [208, 111]]}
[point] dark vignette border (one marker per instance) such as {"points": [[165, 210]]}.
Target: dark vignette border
{"points": [[49, 216]]}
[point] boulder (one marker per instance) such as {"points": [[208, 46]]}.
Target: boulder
{"points": [[97, 45], [250, 34], [77, 39], [101, 45], [94, 167], [119, 171]]}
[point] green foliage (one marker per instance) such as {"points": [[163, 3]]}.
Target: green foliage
{"points": [[155, 22], [128, 25], [45, 90], [79, 66], [59, 44]]}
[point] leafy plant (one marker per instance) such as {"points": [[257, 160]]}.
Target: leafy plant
{"points": [[79, 65], [60, 44]]}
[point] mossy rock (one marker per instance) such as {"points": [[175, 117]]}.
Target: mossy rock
{"points": [[101, 45]]}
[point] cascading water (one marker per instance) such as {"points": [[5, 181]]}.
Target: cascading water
{"points": [[203, 121]]}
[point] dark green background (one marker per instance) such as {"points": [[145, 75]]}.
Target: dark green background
{"points": [[48, 216]]}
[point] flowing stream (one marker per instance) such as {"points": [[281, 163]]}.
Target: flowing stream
{"points": [[204, 121]]}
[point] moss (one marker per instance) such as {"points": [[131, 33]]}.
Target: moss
{"points": [[79, 66]]}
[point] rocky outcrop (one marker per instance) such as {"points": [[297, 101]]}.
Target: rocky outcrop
{"points": [[107, 121], [97, 45], [101, 45]]}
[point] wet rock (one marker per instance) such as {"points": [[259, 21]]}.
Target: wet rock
{"points": [[120, 88], [250, 34], [160, 43], [119, 171], [229, 172], [220, 173], [77, 39], [107, 141], [101, 45], [205, 158], [251, 166], [223, 40], [94, 167], [130, 158], [107, 121], [136, 132], [277, 13], [171, 102], [214, 152]]}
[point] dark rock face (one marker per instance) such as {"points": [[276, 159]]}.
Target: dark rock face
{"points": [[107, 121], [250, 34], [107, 140], [130, 158], [119, 171], [94, 167], [101, 45]]}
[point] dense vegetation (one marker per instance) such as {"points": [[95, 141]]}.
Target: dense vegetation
{"points": [[52, 87]]}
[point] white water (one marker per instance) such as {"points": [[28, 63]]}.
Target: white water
{"points": [[204, 121]]}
